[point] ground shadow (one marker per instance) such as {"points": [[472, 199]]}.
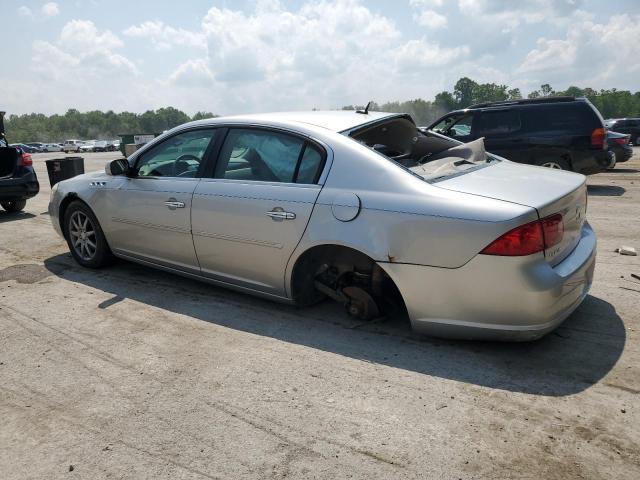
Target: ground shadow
{"points": [[14, 216], [605, 190], [574, 357], [623, 170]]}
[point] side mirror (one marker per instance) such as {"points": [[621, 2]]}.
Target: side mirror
{"points": [[119, 166]]}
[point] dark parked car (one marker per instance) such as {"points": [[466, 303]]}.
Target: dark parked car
{"points": [[625, 125], [37, 146], [619, 147], [23, 147], [18, 181], [558, 132]]}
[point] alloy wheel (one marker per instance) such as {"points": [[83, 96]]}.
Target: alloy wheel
{"points": [[554, 165], [83, 235]]}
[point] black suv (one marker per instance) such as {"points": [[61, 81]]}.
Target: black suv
{"points": [[630, 126], [558, 132], [18, 180]]}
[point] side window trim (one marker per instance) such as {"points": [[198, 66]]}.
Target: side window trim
{"points": [[215, 129], [212, 163]]}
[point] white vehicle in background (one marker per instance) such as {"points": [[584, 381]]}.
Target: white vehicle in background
{"points": [[87, 146], [71, 146], [52, 147]]}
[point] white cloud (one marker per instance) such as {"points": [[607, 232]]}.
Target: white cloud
{"points": [[192, 73], [80, 51], [426, 3], [164, 37], [24, 11], [322, 55], [50, 9], [430, 19], [591, 53], [507, 15]]}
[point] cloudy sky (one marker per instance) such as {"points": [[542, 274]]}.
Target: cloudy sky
{"points": [[262, 55]]}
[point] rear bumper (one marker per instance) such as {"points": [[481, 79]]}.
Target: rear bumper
{"points": [[623, 153], [21, 187], [497, 298]]}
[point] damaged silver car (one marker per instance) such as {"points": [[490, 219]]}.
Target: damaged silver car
{"points": [[357, 206]]}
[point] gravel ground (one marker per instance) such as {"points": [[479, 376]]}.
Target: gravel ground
{"points": [[133, 373]]}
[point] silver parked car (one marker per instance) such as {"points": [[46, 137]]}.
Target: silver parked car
{"points": [[357, 206]]}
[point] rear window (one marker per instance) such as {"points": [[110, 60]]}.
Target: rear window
{"points": [[577, 117]]}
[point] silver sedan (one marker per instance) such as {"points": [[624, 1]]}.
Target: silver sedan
{"points": [[359, 207]]}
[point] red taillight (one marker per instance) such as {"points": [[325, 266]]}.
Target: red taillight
{"points": [[597, 137], [25, 159], [530, 238], [620, 141], [553, 230], [523, 240]]}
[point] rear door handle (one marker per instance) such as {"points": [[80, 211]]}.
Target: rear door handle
{"points": [[172, 204], [279, 214]]}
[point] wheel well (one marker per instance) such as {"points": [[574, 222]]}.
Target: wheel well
{"points": [[343, 259], [63, 208]]}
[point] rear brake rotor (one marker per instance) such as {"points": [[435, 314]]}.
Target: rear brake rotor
{"points": [[361, 304]]}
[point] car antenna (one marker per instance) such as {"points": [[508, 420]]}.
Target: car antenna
{"points": [[366, 109]]}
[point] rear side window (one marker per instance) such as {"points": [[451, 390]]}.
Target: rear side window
{"points": [[577, 117], [498, 123], [264, 155]]}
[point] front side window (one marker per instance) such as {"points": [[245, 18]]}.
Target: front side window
{"points": [[456, 126], [263, 155], [177, 156]]}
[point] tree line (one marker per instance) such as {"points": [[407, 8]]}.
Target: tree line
{"points": [[36, 127], [611, 103]]}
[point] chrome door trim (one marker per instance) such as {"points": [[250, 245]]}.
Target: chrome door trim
{"points": [[235, 238], [150, 225]]}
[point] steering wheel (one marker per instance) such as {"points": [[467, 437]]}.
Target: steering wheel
{"points": [[181, 165]]}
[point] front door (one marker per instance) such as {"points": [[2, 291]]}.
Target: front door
{"points": [[249, 217], [456, 125], [150, 214]]}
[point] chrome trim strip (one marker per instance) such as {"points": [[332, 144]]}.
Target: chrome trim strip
{"points": [[234, 238], [151, 225]]}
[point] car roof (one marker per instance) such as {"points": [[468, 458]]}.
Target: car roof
{"points": [[335, 120]]}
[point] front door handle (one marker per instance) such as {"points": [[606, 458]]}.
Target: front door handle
{"points": [[172, 204], [279, 214]]}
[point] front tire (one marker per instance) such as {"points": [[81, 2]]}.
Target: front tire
{"points": [[85, 238], [14, 206]]}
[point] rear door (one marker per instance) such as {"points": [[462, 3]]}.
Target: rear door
{"points": [[503, 133], [249, 216]]}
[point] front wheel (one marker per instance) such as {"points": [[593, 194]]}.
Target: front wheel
{"points": [[14, 205], [85, 238]]}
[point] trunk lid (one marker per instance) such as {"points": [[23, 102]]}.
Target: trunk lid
{"points": [[547, 190]]}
